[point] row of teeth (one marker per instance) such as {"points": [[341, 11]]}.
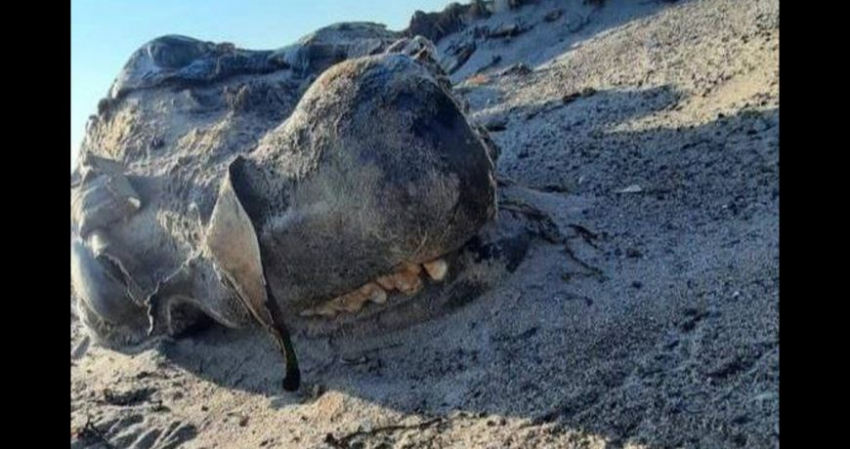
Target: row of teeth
{"points": [[407, 281]]}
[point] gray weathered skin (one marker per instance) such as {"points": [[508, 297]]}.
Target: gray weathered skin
{"points": [[206, 176]]}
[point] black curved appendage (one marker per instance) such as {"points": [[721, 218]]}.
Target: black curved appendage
{"points": [[292, 379]]}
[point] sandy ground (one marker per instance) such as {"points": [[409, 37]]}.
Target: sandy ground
{"points": [[650, 132]]}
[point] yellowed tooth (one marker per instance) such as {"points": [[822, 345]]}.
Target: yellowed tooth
{"points": [[412, 268], [378, 295], [386, 282], [324, 310], [350, 302], [353, 302], [409, 283], [437, 269], [405, 280]]}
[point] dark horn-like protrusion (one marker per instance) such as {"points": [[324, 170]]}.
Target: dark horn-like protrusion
{"points": [[232, 241]]}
